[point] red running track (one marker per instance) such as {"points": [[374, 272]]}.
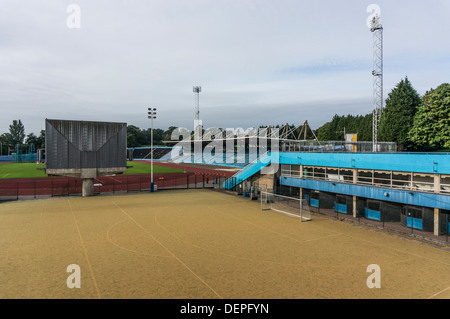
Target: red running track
{"points": [[197, 169]]}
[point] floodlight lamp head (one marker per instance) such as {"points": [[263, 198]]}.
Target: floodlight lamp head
{"points": [[376, 25], [197, 89]]}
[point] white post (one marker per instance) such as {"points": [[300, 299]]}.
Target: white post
{"points": [[152, 115], [301, 210], [151, 159]]}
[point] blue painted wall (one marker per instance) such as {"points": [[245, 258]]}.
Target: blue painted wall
{"points": [[249, 171], [6, 158], [438, 163], [377, 193]]}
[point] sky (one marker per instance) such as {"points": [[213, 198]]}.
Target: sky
{"points": [[259, 62]]}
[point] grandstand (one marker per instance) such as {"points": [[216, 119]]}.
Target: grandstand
{"points": [[145, 153], [405, 192]]}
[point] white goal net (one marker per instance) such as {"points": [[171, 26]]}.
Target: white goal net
{"points": [[287, 205]]}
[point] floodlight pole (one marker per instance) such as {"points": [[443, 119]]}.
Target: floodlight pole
{"points": [[197, 90], [377, 30], [151, 116]]}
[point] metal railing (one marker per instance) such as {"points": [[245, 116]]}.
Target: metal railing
{"points": [[387, 179], [292, 146]]}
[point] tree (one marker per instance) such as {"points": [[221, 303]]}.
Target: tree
{"points": [[323, 133], [40, 143], [17, 131], [431, 126], [5, 141], [398, 115], [167, 136], [32, 139], [132, 136], [158, 136], [131, 140], [365, 132], [334, 130]]}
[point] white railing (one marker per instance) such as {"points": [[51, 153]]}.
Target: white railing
{"points": [[411, 182], [445, 184]]}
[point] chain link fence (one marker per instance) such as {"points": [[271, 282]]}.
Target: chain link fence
{"points": [[23, 189], [419, 222]]}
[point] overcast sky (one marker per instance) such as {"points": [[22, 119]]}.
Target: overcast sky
{"points": [[257, 61]]}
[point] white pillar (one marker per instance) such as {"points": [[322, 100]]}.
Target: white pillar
{"points": [[88, 187], [437, 190], [355, 180]]}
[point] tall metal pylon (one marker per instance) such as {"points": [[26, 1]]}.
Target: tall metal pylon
{"points": [[198, 127], [197, 90], [377, 30]]}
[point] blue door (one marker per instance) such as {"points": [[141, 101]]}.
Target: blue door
{"points": [[414, 223], [372, 214], [340, 208], [414, 218]]}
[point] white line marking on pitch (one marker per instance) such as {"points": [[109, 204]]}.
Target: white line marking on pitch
{"points": [[168, 250]]}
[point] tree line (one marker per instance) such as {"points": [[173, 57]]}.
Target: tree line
{"points": [[16, 136], [135, 137]]}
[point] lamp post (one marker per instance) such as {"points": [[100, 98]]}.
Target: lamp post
{"points": [[151, 116]]}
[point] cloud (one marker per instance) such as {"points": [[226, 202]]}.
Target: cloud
{"points": [[330, 66], [257, 60]]}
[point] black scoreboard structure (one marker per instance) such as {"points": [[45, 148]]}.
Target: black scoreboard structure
{"points": [[85, 149]]}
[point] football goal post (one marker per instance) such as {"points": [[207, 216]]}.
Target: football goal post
{"points": [[287, 205]]}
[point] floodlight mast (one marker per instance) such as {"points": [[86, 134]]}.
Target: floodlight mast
{"points": [[377, 72], [151, 116], [197, 90]]}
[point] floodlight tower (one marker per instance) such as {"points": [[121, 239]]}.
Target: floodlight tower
{"points": [[151, 116], [197, 90], [198, 128], [377, 30]]}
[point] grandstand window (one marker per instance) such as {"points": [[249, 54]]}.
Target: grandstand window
{"points": [[445, 183], [365, 177], [401, 180], [308, 172], [423, 182], [285, 170], [333, 175], [319, 173], [382, 178], [346, 175], [295, 171]]}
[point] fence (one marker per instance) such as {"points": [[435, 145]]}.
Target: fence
{"points": [[20, 189], [337, 147], [21, 158], [420, 222]]}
